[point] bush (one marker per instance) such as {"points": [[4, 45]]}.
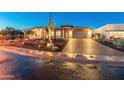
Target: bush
{"points": [[119, 43]]}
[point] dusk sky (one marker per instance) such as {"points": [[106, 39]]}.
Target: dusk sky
{"points": [[24, 20]]}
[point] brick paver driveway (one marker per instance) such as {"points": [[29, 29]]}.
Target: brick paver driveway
{"points": [[89, 46]]}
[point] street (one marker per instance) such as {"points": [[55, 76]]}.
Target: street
{"points": [[21, 67], [31, 68]]}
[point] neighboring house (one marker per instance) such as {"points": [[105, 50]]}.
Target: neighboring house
{"points": [[10, 36], [111, 31], [17, 36], [64, 31]]}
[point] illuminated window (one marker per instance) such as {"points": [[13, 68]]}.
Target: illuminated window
{"points": [[58, 33], [70, 34], [116, 34]]}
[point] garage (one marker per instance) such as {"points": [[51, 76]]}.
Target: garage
{"points": [[80, 33]]}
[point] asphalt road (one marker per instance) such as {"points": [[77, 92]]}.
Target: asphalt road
{"points": [[89, 46], [16, 66]]}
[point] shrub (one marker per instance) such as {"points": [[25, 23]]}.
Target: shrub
{"points": [[119, 43]]}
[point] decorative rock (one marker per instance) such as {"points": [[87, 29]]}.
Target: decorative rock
{"points": [[55, 48], [92, 66], [49, 45], [80, 57]]}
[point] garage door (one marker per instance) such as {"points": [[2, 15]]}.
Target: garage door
{"points": [[79, 34]]}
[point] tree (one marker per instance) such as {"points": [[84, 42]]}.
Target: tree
{"points": [[51, 27], [98, 35], [28, 31], [10, 33], [20, 33]]}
